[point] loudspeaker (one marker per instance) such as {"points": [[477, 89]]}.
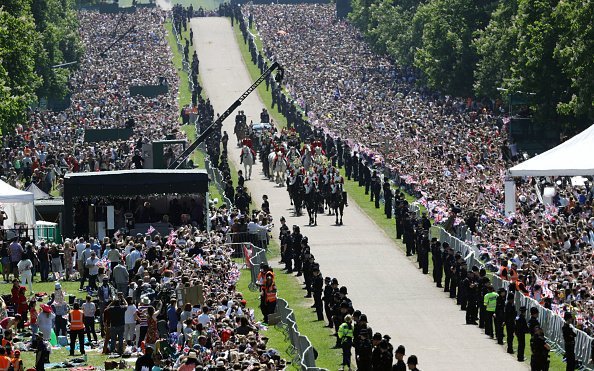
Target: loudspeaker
{"points": [[343, 8]]}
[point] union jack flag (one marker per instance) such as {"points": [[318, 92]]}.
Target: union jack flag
{"points": [[199, 260], [171, 238], [150, 230]]}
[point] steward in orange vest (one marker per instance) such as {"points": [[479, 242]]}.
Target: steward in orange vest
{"points": [[77, 329]]}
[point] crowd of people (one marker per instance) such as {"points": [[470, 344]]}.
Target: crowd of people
{"points": [[140, 304], [119, 54], [451, 153], [135, 286]]}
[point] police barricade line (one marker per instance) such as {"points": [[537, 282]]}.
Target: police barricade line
{"points": [[304, 354], [550, 322]]}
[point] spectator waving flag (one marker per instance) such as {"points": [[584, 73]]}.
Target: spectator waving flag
{"points": [[199, 260], [171, 238]]}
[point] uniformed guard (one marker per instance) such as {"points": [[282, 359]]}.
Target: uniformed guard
{"points": [[521, 331], [540, 351], [376, 186], [472, 296], [510, 322], [500, 315], [437, 258], [423, 254], [569, 338], [318, 288], [388, 196], [490, 301]]}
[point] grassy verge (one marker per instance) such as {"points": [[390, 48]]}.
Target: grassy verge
{"points": [[58, 354], [254, 72], [291, 290], [357, 194]]}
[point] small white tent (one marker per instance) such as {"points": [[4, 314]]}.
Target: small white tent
{"points": [[18, 206], [570, 158], [38, 194]]}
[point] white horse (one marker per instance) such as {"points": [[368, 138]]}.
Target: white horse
{"points": [[307, 158], [271, 157], [247, 159], [280, 168]]}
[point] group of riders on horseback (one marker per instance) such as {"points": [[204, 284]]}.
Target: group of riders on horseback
{"points": [[312, 182]]}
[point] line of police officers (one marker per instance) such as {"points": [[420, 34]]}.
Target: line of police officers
{"points": [[372, 350]]}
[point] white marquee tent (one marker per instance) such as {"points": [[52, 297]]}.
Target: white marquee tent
{"points": [[570, 158], [18, 206]]}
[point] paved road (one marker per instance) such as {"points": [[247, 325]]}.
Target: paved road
{"points": [[382, 282]]}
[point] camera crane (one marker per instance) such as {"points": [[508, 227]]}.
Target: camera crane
{"points": [[177, 163]]}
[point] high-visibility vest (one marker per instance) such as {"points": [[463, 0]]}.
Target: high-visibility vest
{"points": [[4, 363], [6, 342], [17, 364], [76, 320], [490, 301], [513, 275], [270, 294], [345, 332]]}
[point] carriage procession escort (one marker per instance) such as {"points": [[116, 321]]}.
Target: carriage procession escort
{"points": [[302, 166]]}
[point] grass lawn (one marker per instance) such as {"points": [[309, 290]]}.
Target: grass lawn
{"points": [[291, 290], [58, 354]]}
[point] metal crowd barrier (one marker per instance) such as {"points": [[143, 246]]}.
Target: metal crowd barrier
{"points": [[550, 322], [300, 349]]}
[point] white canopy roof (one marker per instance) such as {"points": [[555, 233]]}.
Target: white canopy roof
{"points": [[18, 206], [38, 194], [570, 158], [9, 194]]}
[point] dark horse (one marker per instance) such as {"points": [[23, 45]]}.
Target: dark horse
{"points": [[312, 201], [296, 193], [337, 201]]}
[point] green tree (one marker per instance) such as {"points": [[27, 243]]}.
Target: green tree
{"points": [[574, 52], [57, 25], [391, 29], [535, 69], [19, 43], [446, 55], [496, 49]]}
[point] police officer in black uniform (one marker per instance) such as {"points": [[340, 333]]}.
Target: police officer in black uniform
{"points": [[318, 287], [483, 285], [540, 351], [500, 315], [448, 262], [330, 289], [388, 196], [366, 177], [339, 152], [423, 253], [521, 331], [355, 166], [472, 296], [408, 235], [296, 244], [510, 322], [437, 258], [375, 187], [569, 338]]}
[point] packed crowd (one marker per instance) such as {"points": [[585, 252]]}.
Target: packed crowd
{"points": [[143, 301], [451, 153], [119, 54]]}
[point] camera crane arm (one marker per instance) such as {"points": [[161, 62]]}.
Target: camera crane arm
{"points": [[209, 130]]}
